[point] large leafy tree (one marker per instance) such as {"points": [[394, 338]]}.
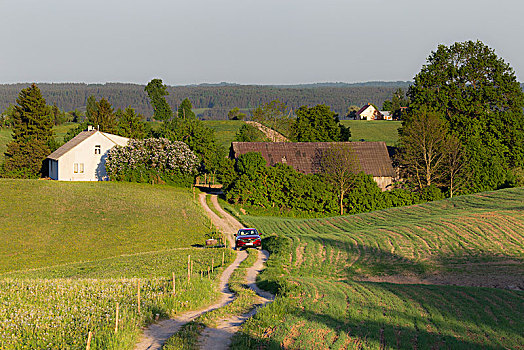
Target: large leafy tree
{"points": [[480, 98], [32, 133], [274, 115], [200, 139], [156, 91], [316, 124]]}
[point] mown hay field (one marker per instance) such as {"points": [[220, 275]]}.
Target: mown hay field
{"points": [[331, 278], [73, 251]]}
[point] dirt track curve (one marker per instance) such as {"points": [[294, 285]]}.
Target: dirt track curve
{"points": [[156, 335]]}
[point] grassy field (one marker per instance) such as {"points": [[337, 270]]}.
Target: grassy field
{"points": [[331, 277], [72, 251], [374, 130], [49, 223], [225, 130]]}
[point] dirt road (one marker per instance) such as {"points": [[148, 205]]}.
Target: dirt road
{"points": [[155, 335]]}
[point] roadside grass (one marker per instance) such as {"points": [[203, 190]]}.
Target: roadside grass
{"points": [[189, 334], [45, 223], [72, 251], [374, 130], [59, 313], [317, 267], [212, 207], [225, 130]]}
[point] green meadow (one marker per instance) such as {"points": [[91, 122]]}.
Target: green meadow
{"points": [[332, 275], [225, 130], [374, 130], [74, 252]]}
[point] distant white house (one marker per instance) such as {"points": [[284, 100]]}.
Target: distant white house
{"points": [[369, 112], [83, 158]]}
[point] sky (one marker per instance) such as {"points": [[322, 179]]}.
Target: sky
{"points": [[244, 41]]}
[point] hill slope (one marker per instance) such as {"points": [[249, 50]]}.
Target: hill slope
{"points": [[326, 273], [49, 223]]}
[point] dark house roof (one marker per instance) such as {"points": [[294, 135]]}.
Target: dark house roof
{"points": [[305, 156], [75, 141]]}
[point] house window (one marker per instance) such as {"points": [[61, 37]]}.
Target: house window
{"points": [[97, 149], [78, 168]]}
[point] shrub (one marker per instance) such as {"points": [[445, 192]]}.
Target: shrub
{"points": [[152, 161]]}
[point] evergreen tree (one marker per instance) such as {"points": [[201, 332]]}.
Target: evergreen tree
{"points": [[156, 91], [91, 107], [32, 132], [131, 124], [104, 118]]}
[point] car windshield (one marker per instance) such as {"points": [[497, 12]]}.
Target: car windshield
{"points": [[247, 232]]}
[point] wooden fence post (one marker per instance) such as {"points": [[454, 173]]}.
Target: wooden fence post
{"points": [[138, 296], [89, 336], [116, 318], [174, 284], [188, 268], [212, 264], [223, 257]]}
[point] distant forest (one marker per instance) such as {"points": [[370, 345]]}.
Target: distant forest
{"points": [[211, 101]]}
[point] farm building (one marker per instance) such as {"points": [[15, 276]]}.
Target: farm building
{"points": [[83, 157], [305, 157], [369, 112]]}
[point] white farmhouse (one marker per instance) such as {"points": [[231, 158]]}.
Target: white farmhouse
{"points": [[369, 112], [83, 158]]}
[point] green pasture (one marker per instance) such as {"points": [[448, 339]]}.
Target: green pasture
{"points": [[327, 273], [73, 251], [44, 223], [5, 138], [225, 130], [374, 130]]}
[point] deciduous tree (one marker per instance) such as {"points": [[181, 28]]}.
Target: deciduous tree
{"points": [[423, 144], [340, 166], [157, 91], [478, 95], [316, 124]]}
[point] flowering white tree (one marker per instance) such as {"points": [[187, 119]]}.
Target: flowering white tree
{"points": [[158, 155]]}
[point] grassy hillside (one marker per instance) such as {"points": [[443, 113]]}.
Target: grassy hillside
{"points": [[49, 223], [331, 276], [374, 130], [225, 130], [72, 253]]}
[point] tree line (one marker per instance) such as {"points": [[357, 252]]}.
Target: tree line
{"points": [[211, 102]]}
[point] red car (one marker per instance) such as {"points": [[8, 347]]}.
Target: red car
{"points": [[248, 237]]}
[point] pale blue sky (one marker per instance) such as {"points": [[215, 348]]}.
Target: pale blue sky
{"points": [[244, 41]]}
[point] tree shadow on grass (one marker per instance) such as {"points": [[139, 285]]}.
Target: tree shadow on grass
{"points": [[440, 328]]}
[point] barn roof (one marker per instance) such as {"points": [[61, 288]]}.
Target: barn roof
{"points": [[75, 141], [305, 156]]}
